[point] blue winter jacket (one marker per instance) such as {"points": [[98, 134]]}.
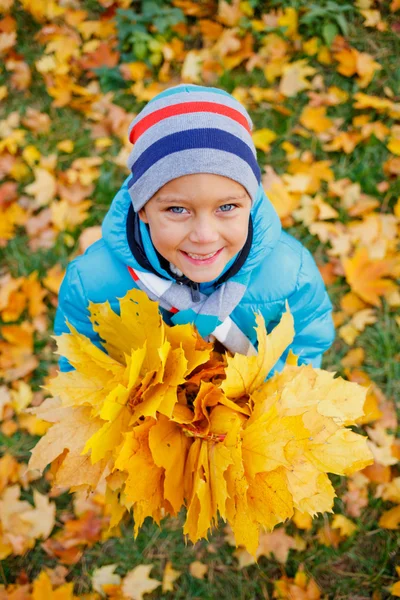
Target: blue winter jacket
{"points": [[281, 269]]}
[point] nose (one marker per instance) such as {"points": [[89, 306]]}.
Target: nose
{"points": [[204, 231]]}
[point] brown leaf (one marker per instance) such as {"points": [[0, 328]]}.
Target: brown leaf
{"points": [[68, 543], [36, 121], [21, 74], [368, 277], [8, 193], [103, 56], [276, 543], [198, 569]]}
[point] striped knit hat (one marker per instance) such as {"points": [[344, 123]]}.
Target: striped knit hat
{"points": [[191, 129]]}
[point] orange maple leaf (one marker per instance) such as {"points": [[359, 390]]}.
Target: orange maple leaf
{"points": [[103, 56], [367, 277]]}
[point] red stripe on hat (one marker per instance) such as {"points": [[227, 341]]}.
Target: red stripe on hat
{"points": [[174, 310], [185, 108], [133, 273]]}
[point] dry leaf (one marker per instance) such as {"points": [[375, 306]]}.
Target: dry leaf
{"points": [[390, 519], [105, 576], [169, 577], [137, 582], [198, 569], [43, 188], [294, 78], [344, 525], [367, 277]]}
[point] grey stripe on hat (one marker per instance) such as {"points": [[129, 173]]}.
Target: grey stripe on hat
{"points": [[188, 162], [184, 97], [186, 122]]}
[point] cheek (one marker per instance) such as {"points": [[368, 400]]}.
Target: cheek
{"points": [[166, 235], [236, 232]]}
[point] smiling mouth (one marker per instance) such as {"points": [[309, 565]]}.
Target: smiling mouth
{"points": [[201, 256], [202, 259]]}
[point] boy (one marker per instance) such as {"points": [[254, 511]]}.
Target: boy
{"points": [[193, 228]]}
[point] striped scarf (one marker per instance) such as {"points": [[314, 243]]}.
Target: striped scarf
{"points": [[210, 314]]}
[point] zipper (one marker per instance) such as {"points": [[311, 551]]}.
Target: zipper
{"points": [[194, 287], [195, 291]]}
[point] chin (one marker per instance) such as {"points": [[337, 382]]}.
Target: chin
{"points": [[203, 277]]}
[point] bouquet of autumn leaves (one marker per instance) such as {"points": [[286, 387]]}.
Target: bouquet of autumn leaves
{"points": [[168, 420]]}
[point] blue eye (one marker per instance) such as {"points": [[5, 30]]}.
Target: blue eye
{"points": [[230, 207], [176, 210]]}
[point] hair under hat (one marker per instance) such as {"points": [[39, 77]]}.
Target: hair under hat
{"points": [[191, 129]]}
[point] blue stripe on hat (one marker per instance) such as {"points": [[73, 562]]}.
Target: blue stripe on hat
{"points": [[179, 89], [213, 139]]}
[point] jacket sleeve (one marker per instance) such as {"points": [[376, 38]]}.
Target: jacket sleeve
{"points": [[312, 312], [72, 305]]}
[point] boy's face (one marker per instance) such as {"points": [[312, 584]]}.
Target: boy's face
{"points": [[199, 222]]}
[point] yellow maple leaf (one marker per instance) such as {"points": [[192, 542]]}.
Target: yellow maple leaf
{"points": [[270, 489], [66, 146], [278, 193], [352, 62], [67, 216], [302, 520], [395, 588], [390, 519], [198, 569], [70, 434], [169, 576], [315, 119], [299, 587], [368, 277], [137, 582], [394, 146], [197, 351], [221, 442], [22, 522], [134, 456], [43, 588], [31, 155], [244, 375], [265, 439], [161, 395], [294, 78], [105, 576], [366, 68], [289, 19], [10, 217], [345, 526], [43, 188], [79, 351], [262, 138], [122, 333], [169, 447]]}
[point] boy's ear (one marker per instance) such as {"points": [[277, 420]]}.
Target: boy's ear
{"points": [[142, 215]]}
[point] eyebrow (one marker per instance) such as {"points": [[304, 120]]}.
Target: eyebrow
{"points": [[172, 198]]}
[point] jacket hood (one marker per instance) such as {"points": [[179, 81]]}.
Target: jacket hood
{"points": [[266, 230]]}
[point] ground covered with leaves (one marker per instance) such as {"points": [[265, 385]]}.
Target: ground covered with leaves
{"points": [[322, 84]]}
